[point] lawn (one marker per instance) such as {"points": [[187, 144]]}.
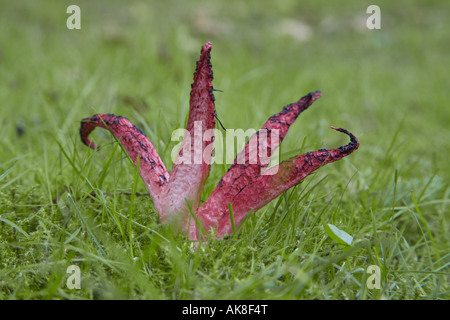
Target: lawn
{"points": [[62, 204]]}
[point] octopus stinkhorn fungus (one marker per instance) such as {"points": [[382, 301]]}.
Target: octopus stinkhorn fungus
{"points": [[243, 188]]}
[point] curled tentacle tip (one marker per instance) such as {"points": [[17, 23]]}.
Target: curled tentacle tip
{"points": [[354, 143], [342, 130], [315, 95], [90, 144], [335, 128]]}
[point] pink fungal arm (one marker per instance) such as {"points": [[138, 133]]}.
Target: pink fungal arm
{"points": [[188, 177], [151, 167]]}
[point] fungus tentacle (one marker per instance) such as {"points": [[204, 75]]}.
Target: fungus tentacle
{"points": [[151, 167], [190, 170]]}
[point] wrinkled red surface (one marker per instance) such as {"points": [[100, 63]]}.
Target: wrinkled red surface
{"points": [[151, 167], [243, 185], [187, 179]]}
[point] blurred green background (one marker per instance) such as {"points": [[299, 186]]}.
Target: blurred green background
{"points": [[136, 59]]}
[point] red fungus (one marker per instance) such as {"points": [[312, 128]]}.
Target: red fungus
{"points": [[244, 185]]}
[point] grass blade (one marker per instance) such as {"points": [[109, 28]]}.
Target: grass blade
{"points": [[424, 222], [130, 209], [233, 225], [15, 226], [68, 196], [338, 235], [106, 166]]}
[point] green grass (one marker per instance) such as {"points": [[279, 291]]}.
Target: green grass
{"points": [[63, 204]]}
